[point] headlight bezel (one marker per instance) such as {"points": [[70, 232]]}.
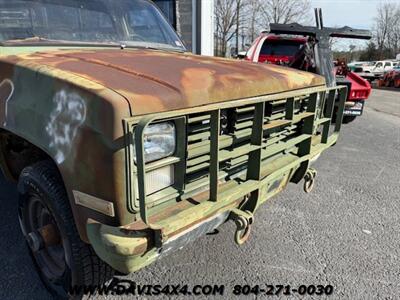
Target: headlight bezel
{"points": [[139, 172]]}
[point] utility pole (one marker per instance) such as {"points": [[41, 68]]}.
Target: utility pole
{"points": [[237, 25]]}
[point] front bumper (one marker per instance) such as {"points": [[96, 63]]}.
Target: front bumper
{"points": [[370, 76], [354, 108], [128, 250]]}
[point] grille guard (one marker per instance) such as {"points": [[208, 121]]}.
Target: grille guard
{"points": [[222, 201]]}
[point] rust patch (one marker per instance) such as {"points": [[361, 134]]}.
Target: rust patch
{"points": [[155, 81]]}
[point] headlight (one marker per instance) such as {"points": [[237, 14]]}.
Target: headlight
{"points": [[159, 179], [159, 141]]}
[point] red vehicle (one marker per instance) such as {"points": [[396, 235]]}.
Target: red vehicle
{"points": [[391, 79], [292, 51], [275, 48]]}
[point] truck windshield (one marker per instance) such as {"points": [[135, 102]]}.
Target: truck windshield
{"points": [[280, 48], [115, 22]]}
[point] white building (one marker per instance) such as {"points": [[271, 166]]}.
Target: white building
{"points": [[194, 21]]}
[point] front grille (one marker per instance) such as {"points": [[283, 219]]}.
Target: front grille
{"points": [[240, 145], [235, 136]]}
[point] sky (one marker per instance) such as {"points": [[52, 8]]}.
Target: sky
{"points": [[359, 14]]}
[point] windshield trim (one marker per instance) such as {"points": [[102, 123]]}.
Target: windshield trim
{"points": [[121, 45]]}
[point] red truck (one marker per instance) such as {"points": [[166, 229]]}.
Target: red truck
{"points": [[292, 52]]}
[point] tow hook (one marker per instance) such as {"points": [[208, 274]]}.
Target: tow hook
{"points": [[309, 180], [243, 221]]}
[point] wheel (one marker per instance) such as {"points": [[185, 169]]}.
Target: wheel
{"points": [[348, 119], [62, 259]]}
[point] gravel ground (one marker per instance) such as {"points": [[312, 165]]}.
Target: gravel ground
{"points": [[345, 233]]}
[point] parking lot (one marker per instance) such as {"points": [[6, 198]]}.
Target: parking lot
{"points": [[345, 233]]}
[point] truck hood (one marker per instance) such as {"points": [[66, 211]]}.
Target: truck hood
{"points": [[155, 81]]}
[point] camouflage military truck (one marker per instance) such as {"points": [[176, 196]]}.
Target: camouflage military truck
{"points": [[126, 147]]}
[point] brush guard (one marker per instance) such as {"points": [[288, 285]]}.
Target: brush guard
{"points": [[249, 190]]}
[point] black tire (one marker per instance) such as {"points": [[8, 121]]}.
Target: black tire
{"points": [[348, 119], [41, 192]]}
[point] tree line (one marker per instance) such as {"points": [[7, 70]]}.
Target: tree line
{"points": [[386, 33], [239, 22]]}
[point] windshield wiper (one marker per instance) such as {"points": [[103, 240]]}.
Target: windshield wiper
{"points": [[150, 46]]}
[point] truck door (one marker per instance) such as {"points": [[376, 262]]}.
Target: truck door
{"points": [[388, 66], [378, 67]]}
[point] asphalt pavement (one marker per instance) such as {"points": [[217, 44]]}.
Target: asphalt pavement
{"points": [[346, 233]]}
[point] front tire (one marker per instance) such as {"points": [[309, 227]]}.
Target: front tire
{"points": [[62, 259]]}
